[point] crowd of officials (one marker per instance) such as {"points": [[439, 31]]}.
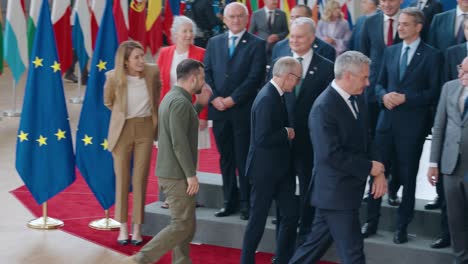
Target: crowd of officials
{"points": [[331, 106]]}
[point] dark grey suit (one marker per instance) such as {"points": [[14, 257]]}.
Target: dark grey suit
{"points": [[449, 150], [453, 57]]}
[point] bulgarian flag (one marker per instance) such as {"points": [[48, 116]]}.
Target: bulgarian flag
{"points": [[16, 41], [287, 5], [34, 9], [61, 14]]}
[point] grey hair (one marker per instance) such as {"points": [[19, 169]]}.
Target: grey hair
{"points": [[230, 5], [414, 12], [350, 61], [304, 21], [285, 65], [179, 21]]}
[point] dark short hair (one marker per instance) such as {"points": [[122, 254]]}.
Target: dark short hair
{"points": [[308, 10], [187, 68], [414, 12]]}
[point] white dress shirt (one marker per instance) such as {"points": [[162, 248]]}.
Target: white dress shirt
{"points": [[267, 12], [306, 60], [458, 19], [238, 35], [345, 95], [387, 24], [413, 47]]}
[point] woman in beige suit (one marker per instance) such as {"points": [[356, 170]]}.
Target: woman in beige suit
{"points": [[131, 92]]}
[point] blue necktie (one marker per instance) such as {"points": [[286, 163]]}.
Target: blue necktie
{"points": [[404, 62], [232, 46], [353, 100], [297, 89], [465, 109]]}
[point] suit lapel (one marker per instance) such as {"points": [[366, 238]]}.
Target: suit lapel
{"points": [[310, 76], [416, 60], [149, 85], [224, 48], [241, 45], [380, 28]]}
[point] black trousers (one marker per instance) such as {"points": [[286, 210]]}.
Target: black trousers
{"points": [[232, 139]]}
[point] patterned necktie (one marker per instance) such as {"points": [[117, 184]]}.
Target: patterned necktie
{"points": [[404, 62], [232, 46], [270, 20], [353, 100], [297, 89], [390, 32], [461, 32]]}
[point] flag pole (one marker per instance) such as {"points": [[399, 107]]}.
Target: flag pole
{"points": [[105, 223], [79, 98], [12, 112], [45, 222]]}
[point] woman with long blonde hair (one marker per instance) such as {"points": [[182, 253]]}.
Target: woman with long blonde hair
{"points": [[333, 28], [131, 92]]}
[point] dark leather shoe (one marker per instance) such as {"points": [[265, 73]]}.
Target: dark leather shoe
{"points": [[123, 242], [369, 229], [441, 242], [244, 215], [394, 200], [136, 242], [434, 204], [400, 237], [71, 77], [223, 212]]}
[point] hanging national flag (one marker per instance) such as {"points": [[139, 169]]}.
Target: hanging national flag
{"points": [[154, 25], [61, 13], [287, 5], [81, 32], [34, 9], [92, 157], [120, 12], [171, 9], [97, 9], [15, 49], [347, 7], [44, 148], [137, 19]]}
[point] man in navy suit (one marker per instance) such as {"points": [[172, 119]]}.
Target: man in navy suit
{"points": [[319, 46], [235, 69], [430, 8], [380, 31], [316, 75], [337, 125], [447, 27], [268, 163], [407, 89], [368, 8], [454, 56]]}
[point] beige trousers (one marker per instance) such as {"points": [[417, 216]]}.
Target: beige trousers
{"points": [[135, 143], [179, 233]]}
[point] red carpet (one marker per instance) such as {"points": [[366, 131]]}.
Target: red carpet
{"points": [[77, 206]]}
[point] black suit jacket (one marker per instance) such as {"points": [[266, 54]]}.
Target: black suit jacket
{"points": [[319, 46], [453, 57], [442, 33], [432, 8], [340, 146], [420, 84], [319, 75], [239, 77], [269, 151]]}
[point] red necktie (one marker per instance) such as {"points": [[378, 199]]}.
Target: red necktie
{"points": [[390, 32]]}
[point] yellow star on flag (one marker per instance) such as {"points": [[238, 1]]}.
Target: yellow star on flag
{"points": [[37, 62], [102, 65], [87, 140], [56, 66], [60, 134], [23, 136], [105, 144], [42, 140]]}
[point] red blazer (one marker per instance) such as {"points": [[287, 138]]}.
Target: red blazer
{"points": [[165, 63]]}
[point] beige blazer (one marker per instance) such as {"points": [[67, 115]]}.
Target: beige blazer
{"points": [[115, 98]]}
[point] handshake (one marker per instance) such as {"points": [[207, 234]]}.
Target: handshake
{"points": [[379, 187]]}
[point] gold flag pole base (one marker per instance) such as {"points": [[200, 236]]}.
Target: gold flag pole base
{"points": [[44, 222], [105, 223]]}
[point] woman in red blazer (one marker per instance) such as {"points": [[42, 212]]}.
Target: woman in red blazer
{"points": [[183, 33]]}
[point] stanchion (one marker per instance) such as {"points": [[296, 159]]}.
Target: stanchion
{"points": [[12, 112], [45, 222], [105, 223], [78, 99]]}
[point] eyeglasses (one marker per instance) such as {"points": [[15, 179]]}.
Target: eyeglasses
{"points": [[297, 77]]}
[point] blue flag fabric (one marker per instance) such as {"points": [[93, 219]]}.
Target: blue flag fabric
{"points": [[92, 157], [44, 148]]}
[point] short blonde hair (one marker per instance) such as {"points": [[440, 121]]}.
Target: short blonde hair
{"points": [[329, 7]]}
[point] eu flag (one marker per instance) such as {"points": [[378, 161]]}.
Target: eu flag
{"points": [[92, 157], [44, 149]]}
